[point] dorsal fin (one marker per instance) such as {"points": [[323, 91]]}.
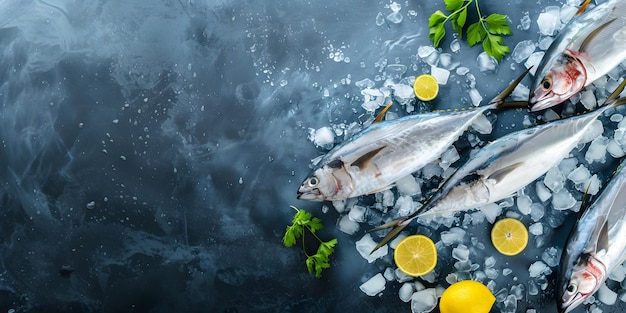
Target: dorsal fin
{"points": [[593, 34], [380, 115], [582, 8], [362, 162]]}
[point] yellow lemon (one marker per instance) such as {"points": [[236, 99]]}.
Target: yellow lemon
{"points": [[466, 296], [416, 255], [509, 236], [426, 87]]}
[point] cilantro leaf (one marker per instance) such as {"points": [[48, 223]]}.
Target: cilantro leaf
{"points": [[497, 24], [317, 263], [327, 248], [292, 233], [315, 224], [494, 46], [475, 33], [453, 5], [459, 21]]}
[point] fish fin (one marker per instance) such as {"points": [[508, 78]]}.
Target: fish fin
{"points": [[382, 189], [582, 8], [496, 102], [603, 239], [398, 225], [499, 174], [593, 34], [582, 201], [613, 98], [380, 115], [336, 164], [366, 158]]}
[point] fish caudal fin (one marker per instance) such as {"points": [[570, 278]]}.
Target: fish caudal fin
{"points": [[498, 102], [582, 8], [613, 99], [381, 115], [398, 225]]}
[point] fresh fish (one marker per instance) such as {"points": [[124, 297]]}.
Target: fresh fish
{"points": [[374, 159], [596, 245], [506, 165], [587, 48]]}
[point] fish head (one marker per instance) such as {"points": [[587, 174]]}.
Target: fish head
{"points": [[580, 282], [326, 184], [563, 80]]}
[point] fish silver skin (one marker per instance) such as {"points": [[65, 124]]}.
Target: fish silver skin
{"points": [[587, 48], [506, 165], [596, 245], [375, 158]]}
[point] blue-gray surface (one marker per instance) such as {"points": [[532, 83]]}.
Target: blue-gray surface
{"points": [[151, 149]]}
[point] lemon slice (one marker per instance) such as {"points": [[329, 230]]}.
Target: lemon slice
{"points": [[466, 296], [426, 87], [416, 255], [509, 236]]}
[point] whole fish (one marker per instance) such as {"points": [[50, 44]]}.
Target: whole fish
{"points": [[506, 165], [589, 46], [596, 245], [375, 158]]}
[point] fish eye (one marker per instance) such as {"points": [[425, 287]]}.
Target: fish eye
{"points": [[546, 83], [571, 289], [313, 181]]}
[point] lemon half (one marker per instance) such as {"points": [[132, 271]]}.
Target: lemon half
{"points": [[426, 87], [416, 255], [509, 236]]}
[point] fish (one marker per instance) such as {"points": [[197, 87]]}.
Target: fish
{"points": [[375, 158], [595, 246], [505, 166], [587, 48]]}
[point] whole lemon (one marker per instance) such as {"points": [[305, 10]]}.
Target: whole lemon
{"points": [[466, 296]]}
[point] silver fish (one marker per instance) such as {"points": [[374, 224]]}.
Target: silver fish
{"points": [[596, 245], [505, 166], [374, 159], [587, 48]]}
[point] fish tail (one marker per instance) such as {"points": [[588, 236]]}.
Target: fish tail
{"points": [[499, 103], [582, 8], [398, 225]]}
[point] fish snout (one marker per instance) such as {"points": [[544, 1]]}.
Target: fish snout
{"points": [[309, 194]]}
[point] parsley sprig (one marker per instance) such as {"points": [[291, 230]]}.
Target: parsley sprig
{"points": [[486, 29], [302, 221]]}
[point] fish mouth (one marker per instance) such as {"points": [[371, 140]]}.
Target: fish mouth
{"points": [[537, 104], [311, 195]]}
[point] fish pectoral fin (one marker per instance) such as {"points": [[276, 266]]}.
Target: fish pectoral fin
{"points": [[603, 239], [593, 34], [499, 174], [336, 164], [362, 162], [380, 115], [582, 8]]}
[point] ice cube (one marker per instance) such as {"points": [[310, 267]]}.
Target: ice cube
{"points": [[380, 19], [431, 170], [408, 186], [366, 244], [523, 204], [593, 185], [563, 200], [452, 236], [455, 46], [542, 191], [536, 211], [395, 7], [405, 292], [568, 165], [348, 226], [389, 274], [491, 273], [365, 83], [405, 205], [549, 21], [395, 17], [518, 291], [486, 63], [425, 51], [580, 175], [440, 74], [545, 42], [596, 129], [490, 262], [606, 295], [424, 300], [461, 252], [357, 213], [523, 50], [520, 93], [393, 243], [597, 150], [445, 61], [374, 285], [554, 179], [536, 229], [588, 99], [323, 137], [448, 157], [491, 211], [401, 277], [525, 21], [475, 96], [538, 268], [403, 91], [618, 273], [533, 60], [567, 12], [509, 304], [482, 125], [550, 115], [462, 70], [388, 198], [551, 256], [371, 105]]}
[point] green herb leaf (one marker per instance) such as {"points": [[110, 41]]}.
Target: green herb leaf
{"points": [[315, 224], [317, 263], [453, 5], [475, 33], [494, 46], [458, 21], [497, 24], [437, 18], [327, 248], [292, 234]]}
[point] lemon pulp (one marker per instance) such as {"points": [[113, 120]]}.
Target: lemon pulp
{"points": [[426, 87], [509, 236], [416, 255]]}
